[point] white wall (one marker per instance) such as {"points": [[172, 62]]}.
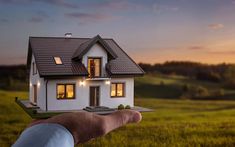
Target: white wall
{"points": [[96, 51], [36, 80], [82, 94], [113, 102]]}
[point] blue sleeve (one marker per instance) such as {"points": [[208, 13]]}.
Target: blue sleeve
{"points": [[45, 135]]}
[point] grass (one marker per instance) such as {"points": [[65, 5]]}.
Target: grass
{"points": [[173, 123]]}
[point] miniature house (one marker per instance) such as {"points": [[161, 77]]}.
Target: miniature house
{"points": [[69, 73]]}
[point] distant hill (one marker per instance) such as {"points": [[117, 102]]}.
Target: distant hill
{"points": [[220, 73]]}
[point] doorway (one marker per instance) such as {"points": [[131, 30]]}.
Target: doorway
{"points": [[94, 95]]}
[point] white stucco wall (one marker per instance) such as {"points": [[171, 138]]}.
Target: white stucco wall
{"points": [[82, 98], [36, 80], [96, 51]]}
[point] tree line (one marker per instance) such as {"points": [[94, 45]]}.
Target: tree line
{"points": [[222, 73], [15, 77]]}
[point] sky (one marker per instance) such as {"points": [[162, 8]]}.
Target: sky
{"points": [[150, 31]]}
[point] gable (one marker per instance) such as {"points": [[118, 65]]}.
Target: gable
{"points": [[86, 46]]}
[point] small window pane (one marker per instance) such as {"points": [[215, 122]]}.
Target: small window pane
{"points": [[70, 91], [120, 90], [58, 60], [60, 91], [97, 67], [113, 90]]}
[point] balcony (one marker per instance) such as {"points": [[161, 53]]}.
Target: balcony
{"points": [[102, 76]]}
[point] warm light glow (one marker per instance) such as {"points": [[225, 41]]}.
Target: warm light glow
{"points": [[113, 90], [58, 60], [69, 91], [39, 84], [30, 84], [107, 82], [82, 83], [117, 89], [65, 91]]}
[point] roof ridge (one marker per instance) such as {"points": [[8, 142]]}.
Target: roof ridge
{"points": [[66, 38]]}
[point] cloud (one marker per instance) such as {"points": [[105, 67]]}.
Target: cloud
{"points": [[36, 19], [216, 26], [157, 8], [4, 20], [88, 17], [60, 3], [222, 52], [196, 47], [115, 5], [39, 16]]}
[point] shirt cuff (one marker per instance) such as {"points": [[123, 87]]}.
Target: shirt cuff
{"points": [[45, 135]]}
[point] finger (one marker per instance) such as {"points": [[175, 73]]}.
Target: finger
{"points": [[121, 118]]}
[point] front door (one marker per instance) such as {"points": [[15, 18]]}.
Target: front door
{"points": [[94, 95], [35, 94]]}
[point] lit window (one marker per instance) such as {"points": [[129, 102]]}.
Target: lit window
{"points": [[65, 91], [58, 60], [117, 89], [113, 90], [60, 91], [94, 67]]}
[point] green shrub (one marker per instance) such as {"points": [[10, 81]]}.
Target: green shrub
{"points": [[128, 107], [185, 88], [202, 91], [219, 92], [121, 106]]}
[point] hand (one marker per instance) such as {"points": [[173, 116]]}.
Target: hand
{"points": [[85, 126]]}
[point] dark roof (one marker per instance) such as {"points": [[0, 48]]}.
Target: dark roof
{"points": [[45, 48], [85, 47]]}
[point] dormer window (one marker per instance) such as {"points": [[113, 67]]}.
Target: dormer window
{"points": [[58, 60], [94, 67]]}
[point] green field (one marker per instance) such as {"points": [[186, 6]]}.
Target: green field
{"points": [[174, 122]]}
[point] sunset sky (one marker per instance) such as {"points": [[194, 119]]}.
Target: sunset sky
{"points": [[152, 31]]}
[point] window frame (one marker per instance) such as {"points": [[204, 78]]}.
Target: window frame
{"points": [[124, 90], [34, 69], [65, 90], [100, 73]]}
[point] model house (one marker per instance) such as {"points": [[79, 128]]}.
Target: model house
{"points": [[69, 73]]}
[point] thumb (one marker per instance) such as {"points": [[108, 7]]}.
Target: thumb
{"points": [[120, 118]]}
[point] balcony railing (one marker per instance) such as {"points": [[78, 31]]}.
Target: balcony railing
{"points": [[103, 76]]}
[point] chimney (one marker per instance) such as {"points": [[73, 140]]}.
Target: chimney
{"points": [[68, 35]]}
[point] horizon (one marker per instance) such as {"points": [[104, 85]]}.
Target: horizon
{"points": [[150, 31]]}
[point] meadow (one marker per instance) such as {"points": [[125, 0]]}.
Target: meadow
{"points": [[174, 122]]}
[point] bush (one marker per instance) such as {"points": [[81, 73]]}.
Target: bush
{"points": [[219, 92], [194, 92], [201, 92], [121, 106], [230, 84], [185, 88], [128, 107]]}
